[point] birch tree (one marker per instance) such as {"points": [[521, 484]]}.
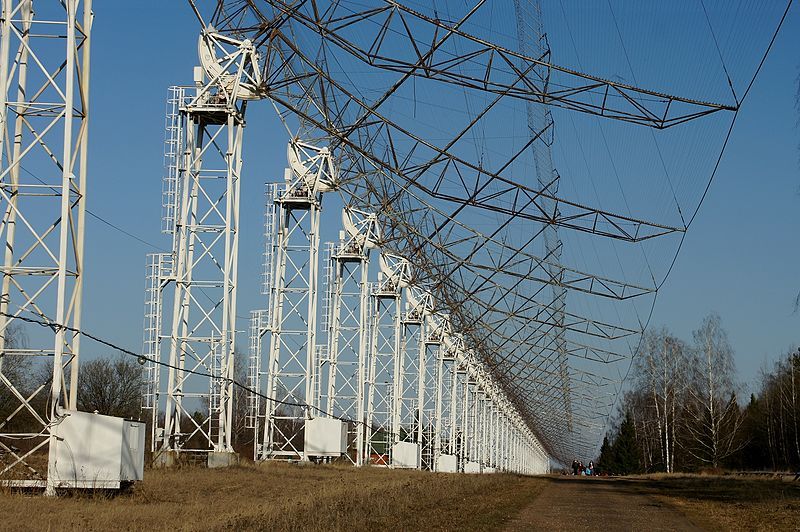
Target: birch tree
{"points": [[794, 363], [713, 413], [661, 371]]}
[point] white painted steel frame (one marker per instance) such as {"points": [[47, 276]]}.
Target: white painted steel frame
{"points": [[260, 323], [292, 333], [409, 383], [200, 209], [291, 367], [348, 325], [203, 315], [435, 393], [385, 332], [44, 117]]}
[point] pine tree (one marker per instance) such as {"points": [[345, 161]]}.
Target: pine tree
{"points": [[605, 462], [625, 450]]}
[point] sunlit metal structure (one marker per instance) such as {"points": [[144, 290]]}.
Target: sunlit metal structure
{"points": [[507, 305], [291, 364], [414, 402], [190, 316], [347, 322], [44, 118], [383, 369], [546, 269]]}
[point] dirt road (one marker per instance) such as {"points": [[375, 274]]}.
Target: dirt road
{"points": [[581, 503]]}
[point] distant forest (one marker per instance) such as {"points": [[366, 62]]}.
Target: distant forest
{"points": [[684, 410]]}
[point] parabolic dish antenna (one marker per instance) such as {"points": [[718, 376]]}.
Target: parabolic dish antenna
{"points": [[361, 231], [395, 268], [411, 297], [221, 58], [298, 168], [308, 174]]}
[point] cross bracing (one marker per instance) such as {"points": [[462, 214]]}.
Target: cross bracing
{"points": [[44, 119], [549, 275], [544, 277]]}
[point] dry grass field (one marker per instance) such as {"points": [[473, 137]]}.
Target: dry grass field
{"points": [[279, 496], [283, 497], [728, 502]]}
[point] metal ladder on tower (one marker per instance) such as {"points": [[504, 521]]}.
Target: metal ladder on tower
{"points": [[321, 355], [270, 227], [173, 138], [258, 322], [216, 384], [159, 272], [260, 319], [152, 322]]}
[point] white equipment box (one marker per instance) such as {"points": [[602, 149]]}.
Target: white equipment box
{"points": [[447, 463], [406, 455], [325, 437], [97, 451], [472, 467], [489, 470]]}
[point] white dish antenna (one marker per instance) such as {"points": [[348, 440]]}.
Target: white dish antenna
{"points": [[360, 226], [298, 168], [419, 297], [413, 302], [350, 227], [395, 268], [221, 59], [315, 169]]}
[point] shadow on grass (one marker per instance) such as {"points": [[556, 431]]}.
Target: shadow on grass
{"points": [[697, 488]]}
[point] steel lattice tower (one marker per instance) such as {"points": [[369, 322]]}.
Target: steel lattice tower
{"points": [[347, 321], [413, 407], [291, 365], [260, 322], [201, 211], [44, 117], [444, 436], [382, 371]]}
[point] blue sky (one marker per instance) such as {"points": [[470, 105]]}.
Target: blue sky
{"points": [[740, 257]]}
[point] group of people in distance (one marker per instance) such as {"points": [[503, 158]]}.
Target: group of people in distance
{"points": [[579, 469]]}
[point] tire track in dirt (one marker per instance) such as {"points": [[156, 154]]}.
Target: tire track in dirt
{"points": [[575, 503]]}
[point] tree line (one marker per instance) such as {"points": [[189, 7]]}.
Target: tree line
{"points": [[684, 410], [110, 385]]}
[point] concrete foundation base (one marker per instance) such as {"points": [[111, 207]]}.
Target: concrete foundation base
{"points": [[216, 460], [165, 459]]}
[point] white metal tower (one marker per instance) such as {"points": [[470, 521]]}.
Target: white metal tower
{"points": [[44, 116], [438, 340], [260, 322], [383, 370], [201, 211], [459, 413], [347, 321], [413, 400], [291, 364]]}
